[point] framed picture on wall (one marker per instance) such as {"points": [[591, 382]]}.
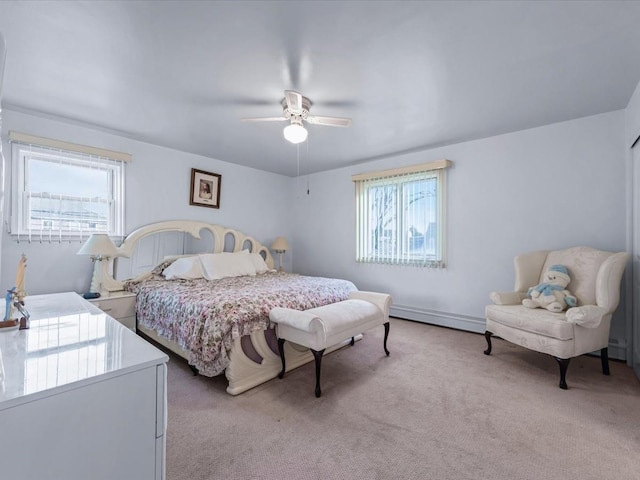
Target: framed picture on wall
{"points": [[205, 188]]}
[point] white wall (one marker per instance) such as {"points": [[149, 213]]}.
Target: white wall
{"points": [[157, 188], [632, 117], [632, 124], [3, 52], [546, 188]]}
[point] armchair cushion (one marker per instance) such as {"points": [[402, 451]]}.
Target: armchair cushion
{"points": [[537, 321], [588, 316]]}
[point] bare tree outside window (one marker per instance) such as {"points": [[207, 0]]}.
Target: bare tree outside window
{"points": [[400, 219]]}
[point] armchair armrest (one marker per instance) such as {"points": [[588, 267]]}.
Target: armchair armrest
{"points": [[507, 298], [588, 316], [300, 320], [381, 300]]}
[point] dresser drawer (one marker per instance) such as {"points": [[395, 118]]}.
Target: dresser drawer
{"points": [[119, 307]]}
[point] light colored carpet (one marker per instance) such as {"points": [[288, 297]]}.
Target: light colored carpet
{"points": [[437, 408]]}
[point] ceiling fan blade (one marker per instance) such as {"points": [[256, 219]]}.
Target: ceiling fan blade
{"points": [[294, 101], [264, 119], [336, 104], [329, 121]]}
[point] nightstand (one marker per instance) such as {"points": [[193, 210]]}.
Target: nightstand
{"points": [[118, 305]]}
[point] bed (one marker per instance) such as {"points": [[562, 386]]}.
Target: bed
{"points": [[218, 323]]}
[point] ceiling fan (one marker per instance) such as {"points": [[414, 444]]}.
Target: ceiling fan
{"points": [[295, 109]]}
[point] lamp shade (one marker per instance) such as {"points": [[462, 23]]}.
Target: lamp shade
{"points": [[280, 245], [295, 133], [98, 245]]}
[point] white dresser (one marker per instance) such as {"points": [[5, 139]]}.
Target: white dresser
{"points": [[81, 396]]}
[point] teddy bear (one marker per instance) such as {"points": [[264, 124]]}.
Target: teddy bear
{"points": [[552, 293]]}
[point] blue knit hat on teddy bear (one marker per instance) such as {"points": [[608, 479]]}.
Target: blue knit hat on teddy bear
{"points": [[561, 270]]}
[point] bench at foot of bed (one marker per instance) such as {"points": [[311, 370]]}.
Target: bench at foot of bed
{"points": [[245, 371], [323, 327]]}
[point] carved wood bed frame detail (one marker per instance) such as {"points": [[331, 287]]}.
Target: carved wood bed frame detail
{"points": [[256, 362]]}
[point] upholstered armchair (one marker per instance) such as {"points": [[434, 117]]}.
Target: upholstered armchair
{"points": [[595, 282]]}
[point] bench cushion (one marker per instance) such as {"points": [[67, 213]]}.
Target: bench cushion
{"points": [[322, 327]]}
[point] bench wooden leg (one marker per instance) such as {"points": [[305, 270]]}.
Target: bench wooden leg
{"points": [[386, 334], [281, 350], [318, 356]]}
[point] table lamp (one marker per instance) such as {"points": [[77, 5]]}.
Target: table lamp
{"points": [[101, 249], [280, 246]]}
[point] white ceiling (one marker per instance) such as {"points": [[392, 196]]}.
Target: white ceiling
{"points": [[411, 75]]}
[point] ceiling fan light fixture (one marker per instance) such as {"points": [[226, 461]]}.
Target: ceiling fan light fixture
{"points": [[295, 133], [295, 109]]}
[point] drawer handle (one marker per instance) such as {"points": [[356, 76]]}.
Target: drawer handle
{"points": [[105, 310]]}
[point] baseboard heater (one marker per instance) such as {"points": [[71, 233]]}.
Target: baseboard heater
{"points": [[617, 348]]}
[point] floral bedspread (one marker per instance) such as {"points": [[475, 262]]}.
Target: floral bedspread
{"points": [[204, 316]]}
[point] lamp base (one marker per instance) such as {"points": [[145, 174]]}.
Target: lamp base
{"points": [[100, 280], [280, 252]]}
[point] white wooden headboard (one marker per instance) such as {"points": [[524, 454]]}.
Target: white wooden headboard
{"points": [[223, 240]]}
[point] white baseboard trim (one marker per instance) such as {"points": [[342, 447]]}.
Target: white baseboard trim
{"points": [[443, 319], [617, 348]]}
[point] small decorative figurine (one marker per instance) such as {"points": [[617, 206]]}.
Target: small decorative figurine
{"points": [[15, 300]]}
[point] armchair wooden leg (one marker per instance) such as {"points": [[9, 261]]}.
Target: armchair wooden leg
{"points": [[604, 358], [564, 364], [487, 335], [386, 335]]}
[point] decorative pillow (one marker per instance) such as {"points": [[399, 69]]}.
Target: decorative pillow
{"points": [[158, 269], [221, 265], [258, 263], [187, 268], [166, 261]]}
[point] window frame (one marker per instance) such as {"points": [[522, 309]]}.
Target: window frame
{"points": [[400, 178], [22, 153]]}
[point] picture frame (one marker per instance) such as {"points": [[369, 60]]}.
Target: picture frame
{"points": [[205, 188]]}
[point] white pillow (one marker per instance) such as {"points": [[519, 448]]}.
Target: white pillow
{"points": [[174, 257], [187, 268], [221, 265], [258, 263]]}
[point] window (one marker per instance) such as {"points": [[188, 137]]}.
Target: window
{"points": [[63, 192], [400, 215]]}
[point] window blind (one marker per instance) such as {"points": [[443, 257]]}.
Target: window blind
{"points": [[400, 215]]}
